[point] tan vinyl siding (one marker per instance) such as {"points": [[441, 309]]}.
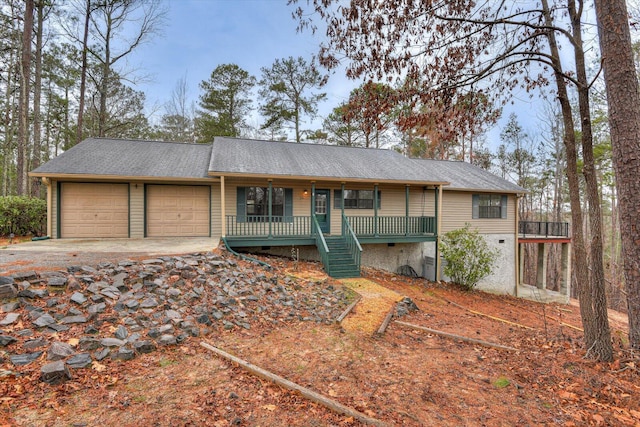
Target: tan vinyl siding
{"points": [[216, 218], [421, 201], [457, 210], [136, 210]]}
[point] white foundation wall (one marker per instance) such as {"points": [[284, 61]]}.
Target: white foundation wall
{"points": [[503, 278], [389, 258]]}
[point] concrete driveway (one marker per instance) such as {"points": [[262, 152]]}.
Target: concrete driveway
{"points": [[61, 253]]}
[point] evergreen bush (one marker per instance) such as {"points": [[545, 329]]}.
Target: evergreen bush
{"points": [[469, 257], [23, 216]]}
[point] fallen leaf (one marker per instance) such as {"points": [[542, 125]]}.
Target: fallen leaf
{"points": [[269, 407]]}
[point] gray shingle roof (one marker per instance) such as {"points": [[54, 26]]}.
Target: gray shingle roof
{"points": [[287, 159], [119, 157], [465, 176], [272, 158], [233, 156]]}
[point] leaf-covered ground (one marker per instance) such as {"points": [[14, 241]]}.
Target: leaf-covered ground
{"points": [[404, 377]]}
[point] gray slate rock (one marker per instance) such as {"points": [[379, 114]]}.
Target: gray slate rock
{"points": [[10, 306], [24, 359], [149, 303], [123, 353], [144, 346], [112, 342], [121, 333], [44, 320], [34, 343], [33, 293], [57, 281], [78, 298], [59, 350], [6, 280], [10, 319], [24, 275], [5, 340], [88, 343], [99, 355], [81, 360], [73, 319], [167, 339], [55, 373], [8, 290], [96, 308]]}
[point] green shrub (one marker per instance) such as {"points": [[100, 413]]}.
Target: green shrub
{"points": [[23, 216], [469, 258]]}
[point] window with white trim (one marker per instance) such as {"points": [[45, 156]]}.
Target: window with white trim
{"points": [[489, 206]]}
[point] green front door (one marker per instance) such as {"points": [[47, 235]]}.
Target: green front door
{"points": [[322, 209]]}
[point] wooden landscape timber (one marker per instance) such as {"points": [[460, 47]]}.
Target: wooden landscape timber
{"points": [[289, 385], [457, 337]]}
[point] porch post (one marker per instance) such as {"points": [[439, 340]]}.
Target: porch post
{"points": [[342, 192], [541, 274], [46, 181], [269, 198], [375, 210], [312, 210], [406, 210], [438, 212], [223, 208]]}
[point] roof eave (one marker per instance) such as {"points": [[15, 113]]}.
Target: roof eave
{"points": [[326, 178], [75, 176]]}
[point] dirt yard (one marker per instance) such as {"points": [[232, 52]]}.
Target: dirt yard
{"points": [[404, 377]]}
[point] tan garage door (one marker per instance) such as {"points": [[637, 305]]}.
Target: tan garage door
{"points": [[94, 210], [178, 210]]}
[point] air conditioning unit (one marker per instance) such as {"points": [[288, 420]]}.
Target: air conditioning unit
{"points": [[429, 269]]}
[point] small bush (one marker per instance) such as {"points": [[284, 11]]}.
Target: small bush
{"points": [[469, 258], [23, 216]]}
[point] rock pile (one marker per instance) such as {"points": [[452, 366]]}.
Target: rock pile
{"points": [[85, 314]]}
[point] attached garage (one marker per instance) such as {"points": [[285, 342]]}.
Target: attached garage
{"points": [[94, 210], [178, 210]]}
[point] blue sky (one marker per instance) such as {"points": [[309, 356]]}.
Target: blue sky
{"points": [[201, 34]]}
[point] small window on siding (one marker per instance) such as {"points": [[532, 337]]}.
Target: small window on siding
{"points": [[489, 206], [355, 199]]}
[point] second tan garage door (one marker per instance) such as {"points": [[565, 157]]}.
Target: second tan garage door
{"points": [[94, 210], [178, 210]]}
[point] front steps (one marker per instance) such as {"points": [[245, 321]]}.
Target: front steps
{"points": [[341, 264]]}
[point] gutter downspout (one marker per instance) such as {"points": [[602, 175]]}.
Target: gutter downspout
{"points": [[246, 258]]}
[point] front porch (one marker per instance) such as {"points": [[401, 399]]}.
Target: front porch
{"points": [[340, 253], [255, 230]]}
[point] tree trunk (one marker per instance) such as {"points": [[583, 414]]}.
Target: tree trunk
{"points": [[83, 72], [623, 98], [23, 104], [8, 125], [36, 154], [601, 345], [579, 259]]}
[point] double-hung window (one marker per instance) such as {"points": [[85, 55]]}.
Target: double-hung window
{"points": [[489, 206], [355, 199], [253, 204]]}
